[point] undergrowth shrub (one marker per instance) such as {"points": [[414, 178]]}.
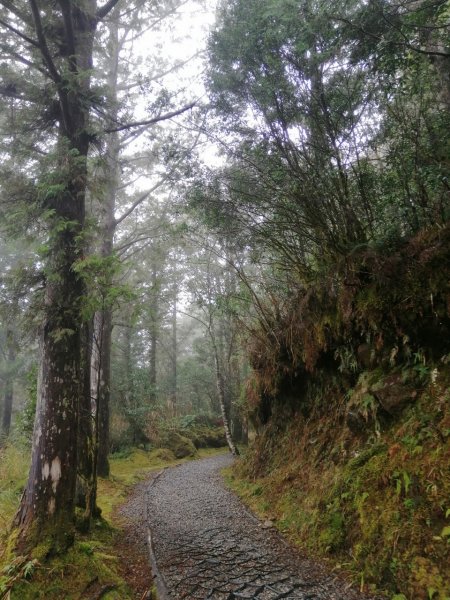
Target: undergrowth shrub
{"points": [[396, 305], [350, 399], [14, 465], [120, 433], [375, 501], [25, 419]]}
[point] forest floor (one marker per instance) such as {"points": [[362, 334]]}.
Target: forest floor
{"points": [[131, 545], [206, 544], [111, 562]]}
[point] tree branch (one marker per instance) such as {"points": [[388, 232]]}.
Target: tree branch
{"points": [[19, 33], [139, 200], [16, 56], [15, 11], [163, 117], [125, 87], [135, 204], [9, 90], [404, 44], [105, 9], [42, 42]]}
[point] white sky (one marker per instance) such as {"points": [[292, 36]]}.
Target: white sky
{"points": [[181, 38]]}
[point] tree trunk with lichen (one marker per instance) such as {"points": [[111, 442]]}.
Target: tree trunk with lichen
{"points": [[48, 500], [48, 503], [222, 399], [86, 487]]}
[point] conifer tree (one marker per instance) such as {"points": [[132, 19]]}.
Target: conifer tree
{"points": [[55, 42]]}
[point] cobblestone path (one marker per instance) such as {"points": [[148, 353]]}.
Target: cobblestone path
{"points": [[207, 545]]}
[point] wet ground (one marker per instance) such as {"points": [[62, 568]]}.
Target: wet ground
{"points": [[131, 546], [206, 545]]}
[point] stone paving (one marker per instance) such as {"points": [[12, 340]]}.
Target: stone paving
{"points": [[206, 545]]}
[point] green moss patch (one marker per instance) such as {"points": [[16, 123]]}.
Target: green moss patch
{"points": [[86, 567], [180, 445]]}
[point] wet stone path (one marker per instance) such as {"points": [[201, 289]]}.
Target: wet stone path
{"points": [[207, 545]]}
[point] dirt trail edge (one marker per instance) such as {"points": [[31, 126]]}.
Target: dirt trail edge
{"points": [[204, 544]]}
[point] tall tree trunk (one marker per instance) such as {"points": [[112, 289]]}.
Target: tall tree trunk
{"points": [[47, 505], [7, 406], [152, 370], [9, 383], [48, 501], [108, 226], [153, 334], [236, 417], [103, 395], [229, 333], [221, 393], [127, 385], [174, 353], [217, 354]]}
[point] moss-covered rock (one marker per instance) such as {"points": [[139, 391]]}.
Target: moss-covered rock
{"points": [[216, 438], [203, 436], [197, 438], [164, 454], [178, 444], [393, 393]]}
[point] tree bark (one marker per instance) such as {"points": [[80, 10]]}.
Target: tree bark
{"points": [[47, 505], [9, 384], [48, 501], [103, 396], [153, 334], [222, 400], [86, 490], [127, 384], [220, 382], [174, 353], [108, 225]]}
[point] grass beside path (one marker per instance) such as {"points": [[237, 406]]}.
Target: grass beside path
{"points": [[91, 568]]}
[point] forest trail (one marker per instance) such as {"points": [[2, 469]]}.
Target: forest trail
{"points": [[206, 544]]}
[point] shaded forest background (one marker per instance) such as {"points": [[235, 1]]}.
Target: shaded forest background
{"points": [[261, 245]]}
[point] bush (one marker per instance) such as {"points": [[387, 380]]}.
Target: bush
{"points": [[25, 420], [121, 436]]}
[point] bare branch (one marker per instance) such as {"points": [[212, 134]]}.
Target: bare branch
{"points": [[135, 204], [19, 33], [125, 87], [149, 237], [15, 11], [105, 9], [205, 325], [139, 200], [158, 119]]}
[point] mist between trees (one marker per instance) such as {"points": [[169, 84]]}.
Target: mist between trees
{"points": [[140, 284]]}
